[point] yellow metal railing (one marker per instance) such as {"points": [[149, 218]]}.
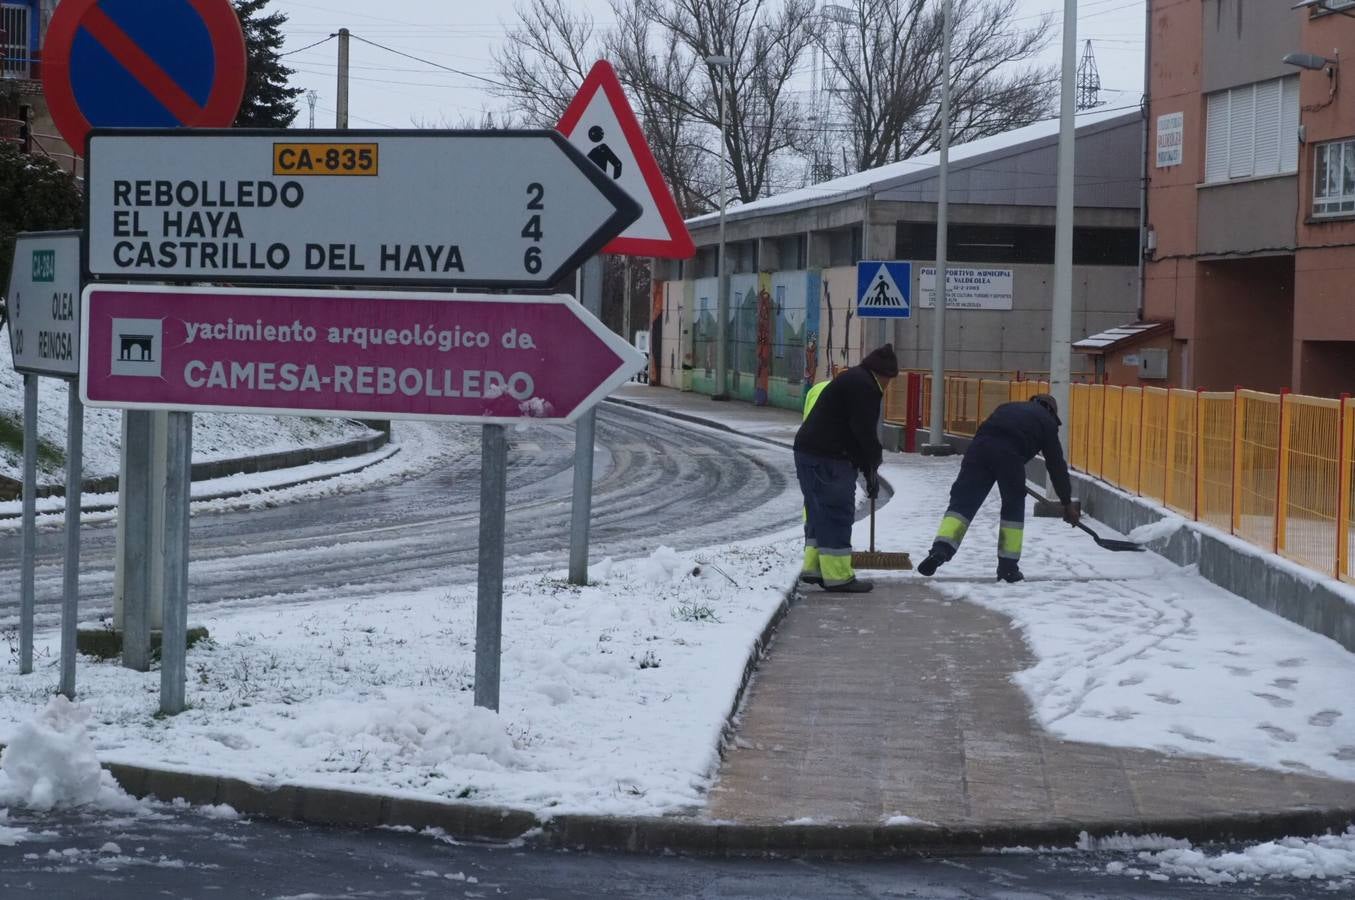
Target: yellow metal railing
{"points": [[1309, 481], [1214, 458], [1277, 470]]}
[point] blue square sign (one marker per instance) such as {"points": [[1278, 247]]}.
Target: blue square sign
{"points": [[884, 289]]}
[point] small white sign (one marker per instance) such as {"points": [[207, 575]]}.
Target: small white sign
{"points": [[967, 288], [44, 304], [1171, 135], [1131, 359], [642, 341]]}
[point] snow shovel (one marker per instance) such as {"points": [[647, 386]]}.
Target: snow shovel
{"points": [[878, 559], [1111, 544]]}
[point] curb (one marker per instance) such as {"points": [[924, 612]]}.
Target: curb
{"points": [[207, 471], [697, 837], [695, 420]]}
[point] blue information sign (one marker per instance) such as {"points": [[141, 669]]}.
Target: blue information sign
{"points": [[884, 289]]}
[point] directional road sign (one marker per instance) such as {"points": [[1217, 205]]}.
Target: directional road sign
{"points": [[492, 359], [44, 303], [883, 289], [468, 208], [600, 123], [142, 64]]}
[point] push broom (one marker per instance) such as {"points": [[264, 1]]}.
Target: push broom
{"points": [[878, 559]]}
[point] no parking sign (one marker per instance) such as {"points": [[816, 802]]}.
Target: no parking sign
{"points": [[143, 64]]}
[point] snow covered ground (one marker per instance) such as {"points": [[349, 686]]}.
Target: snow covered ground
{"points": [[215, 435], [1134, 651]]}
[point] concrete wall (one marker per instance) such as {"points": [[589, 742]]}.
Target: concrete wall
{"points": [[1244, 333], [1244, 41], [983, 340], [1247, 216]]}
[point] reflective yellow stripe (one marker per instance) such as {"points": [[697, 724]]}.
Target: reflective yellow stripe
{"points": [[811, 563], [952, 529], [1009, 538], [836, 569], [813, 397]]}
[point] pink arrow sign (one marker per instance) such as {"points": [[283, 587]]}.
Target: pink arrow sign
{"points": [[467, 357]]}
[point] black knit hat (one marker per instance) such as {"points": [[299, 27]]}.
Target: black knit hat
{"points": [[882, 362], [1050, 404]]}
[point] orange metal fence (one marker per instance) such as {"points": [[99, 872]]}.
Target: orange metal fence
{"points": [[1277, 470]]}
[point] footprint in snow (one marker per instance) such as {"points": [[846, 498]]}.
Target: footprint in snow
{"points": [[1179, 665], [1285, 684], [1136, 678], [1239, 671], [1122, 714], [1324, 719], [1165, 698], [1274, 700], [1292, 662], [1190, 735], [1278, 733], [1345, 754]]}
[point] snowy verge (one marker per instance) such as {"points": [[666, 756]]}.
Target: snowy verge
{"points": [[1329, 858], [1133, 651], [613, 701]]}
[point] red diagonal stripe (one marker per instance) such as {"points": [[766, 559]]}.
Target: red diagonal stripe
{"points": [[141, 67]]}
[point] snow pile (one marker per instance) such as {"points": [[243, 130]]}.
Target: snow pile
{"points": [[1159, 530], [50, 762], [613, 696], [10, 835], [1328, 858]]}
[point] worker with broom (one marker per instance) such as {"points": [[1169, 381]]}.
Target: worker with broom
{"points": [[1003, 444], [837, 439]]}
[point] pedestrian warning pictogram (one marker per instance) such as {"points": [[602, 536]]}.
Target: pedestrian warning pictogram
{"points": [[883, 289], [600, 122]]}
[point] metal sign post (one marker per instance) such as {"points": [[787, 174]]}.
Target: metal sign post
{"points": [[70, 573], [585, 434], [174, 632], [489, 587], [30, 539]]}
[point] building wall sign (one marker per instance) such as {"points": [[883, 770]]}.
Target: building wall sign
{"points": [[967, 288], [1171, 134]]}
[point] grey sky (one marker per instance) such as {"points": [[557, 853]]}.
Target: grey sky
{"points": [[392, 91]]}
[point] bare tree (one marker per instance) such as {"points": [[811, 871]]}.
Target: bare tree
{"points": [[766, 42], [544, 60], [885, 57]]}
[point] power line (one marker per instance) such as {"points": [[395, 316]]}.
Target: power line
{"points": [[358, 37], [309, 46]]}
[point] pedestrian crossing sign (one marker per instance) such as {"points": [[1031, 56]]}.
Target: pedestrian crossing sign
{"points": [[883, 289]]}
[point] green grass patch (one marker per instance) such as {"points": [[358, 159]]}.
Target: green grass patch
{"points": [[50, 456]]}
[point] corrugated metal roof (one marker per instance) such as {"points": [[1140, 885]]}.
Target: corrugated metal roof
{"points": [[1113, 338]]}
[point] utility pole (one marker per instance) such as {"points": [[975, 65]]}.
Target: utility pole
{"points": [[936, 438], [1061, 324], [722, 64], [341, 105]]}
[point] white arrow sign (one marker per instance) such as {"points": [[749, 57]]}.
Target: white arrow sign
{"points": [[484, 208]]}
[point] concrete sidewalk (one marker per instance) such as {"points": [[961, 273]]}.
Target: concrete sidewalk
{"points": [[901, 703]]}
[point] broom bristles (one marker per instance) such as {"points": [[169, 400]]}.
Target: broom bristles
{"points": [[863, 559]]}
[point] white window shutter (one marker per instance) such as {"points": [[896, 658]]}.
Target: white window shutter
{"points": [[1289, 124], [1269, 131], [1216, 138], [1241, 131]]}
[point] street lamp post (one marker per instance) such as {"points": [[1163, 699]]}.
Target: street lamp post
{"points": [[723, 64], [936, 439]]}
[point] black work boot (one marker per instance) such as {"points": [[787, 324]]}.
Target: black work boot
{"points": [[937, 557], [1009, 571], [855, 586]]}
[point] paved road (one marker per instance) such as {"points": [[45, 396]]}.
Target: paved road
{"points": [[656, 481], [182, 854]]}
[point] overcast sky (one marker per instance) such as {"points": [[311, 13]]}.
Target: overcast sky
{"points": [[393, 91]]}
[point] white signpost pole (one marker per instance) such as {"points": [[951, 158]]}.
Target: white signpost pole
{"points": [[174, 630], [29, 551], [489, 588]]}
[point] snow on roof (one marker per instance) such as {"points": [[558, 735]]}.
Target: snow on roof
{"points": [[875, 180], [1121, 334]]}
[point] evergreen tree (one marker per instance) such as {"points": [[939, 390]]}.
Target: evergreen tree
{"points": [[269, 102], [35, 195]]}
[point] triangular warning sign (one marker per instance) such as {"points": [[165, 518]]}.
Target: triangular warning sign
{"points": [[600, 123], [883, 292]]}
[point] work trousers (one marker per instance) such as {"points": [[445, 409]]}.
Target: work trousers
{"points": [[987, 460], [829, 489]]}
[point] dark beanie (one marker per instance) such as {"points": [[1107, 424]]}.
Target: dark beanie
{"points": [[882, 361]]}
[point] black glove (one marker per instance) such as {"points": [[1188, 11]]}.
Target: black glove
{"points": [[1071, 513], [873, 483]]}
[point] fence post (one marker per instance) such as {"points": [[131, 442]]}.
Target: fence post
{"points": [[1235, 519], [1282, 475], [1167, 455], [1199, 450], [1343, 456], [1101, 463]]}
